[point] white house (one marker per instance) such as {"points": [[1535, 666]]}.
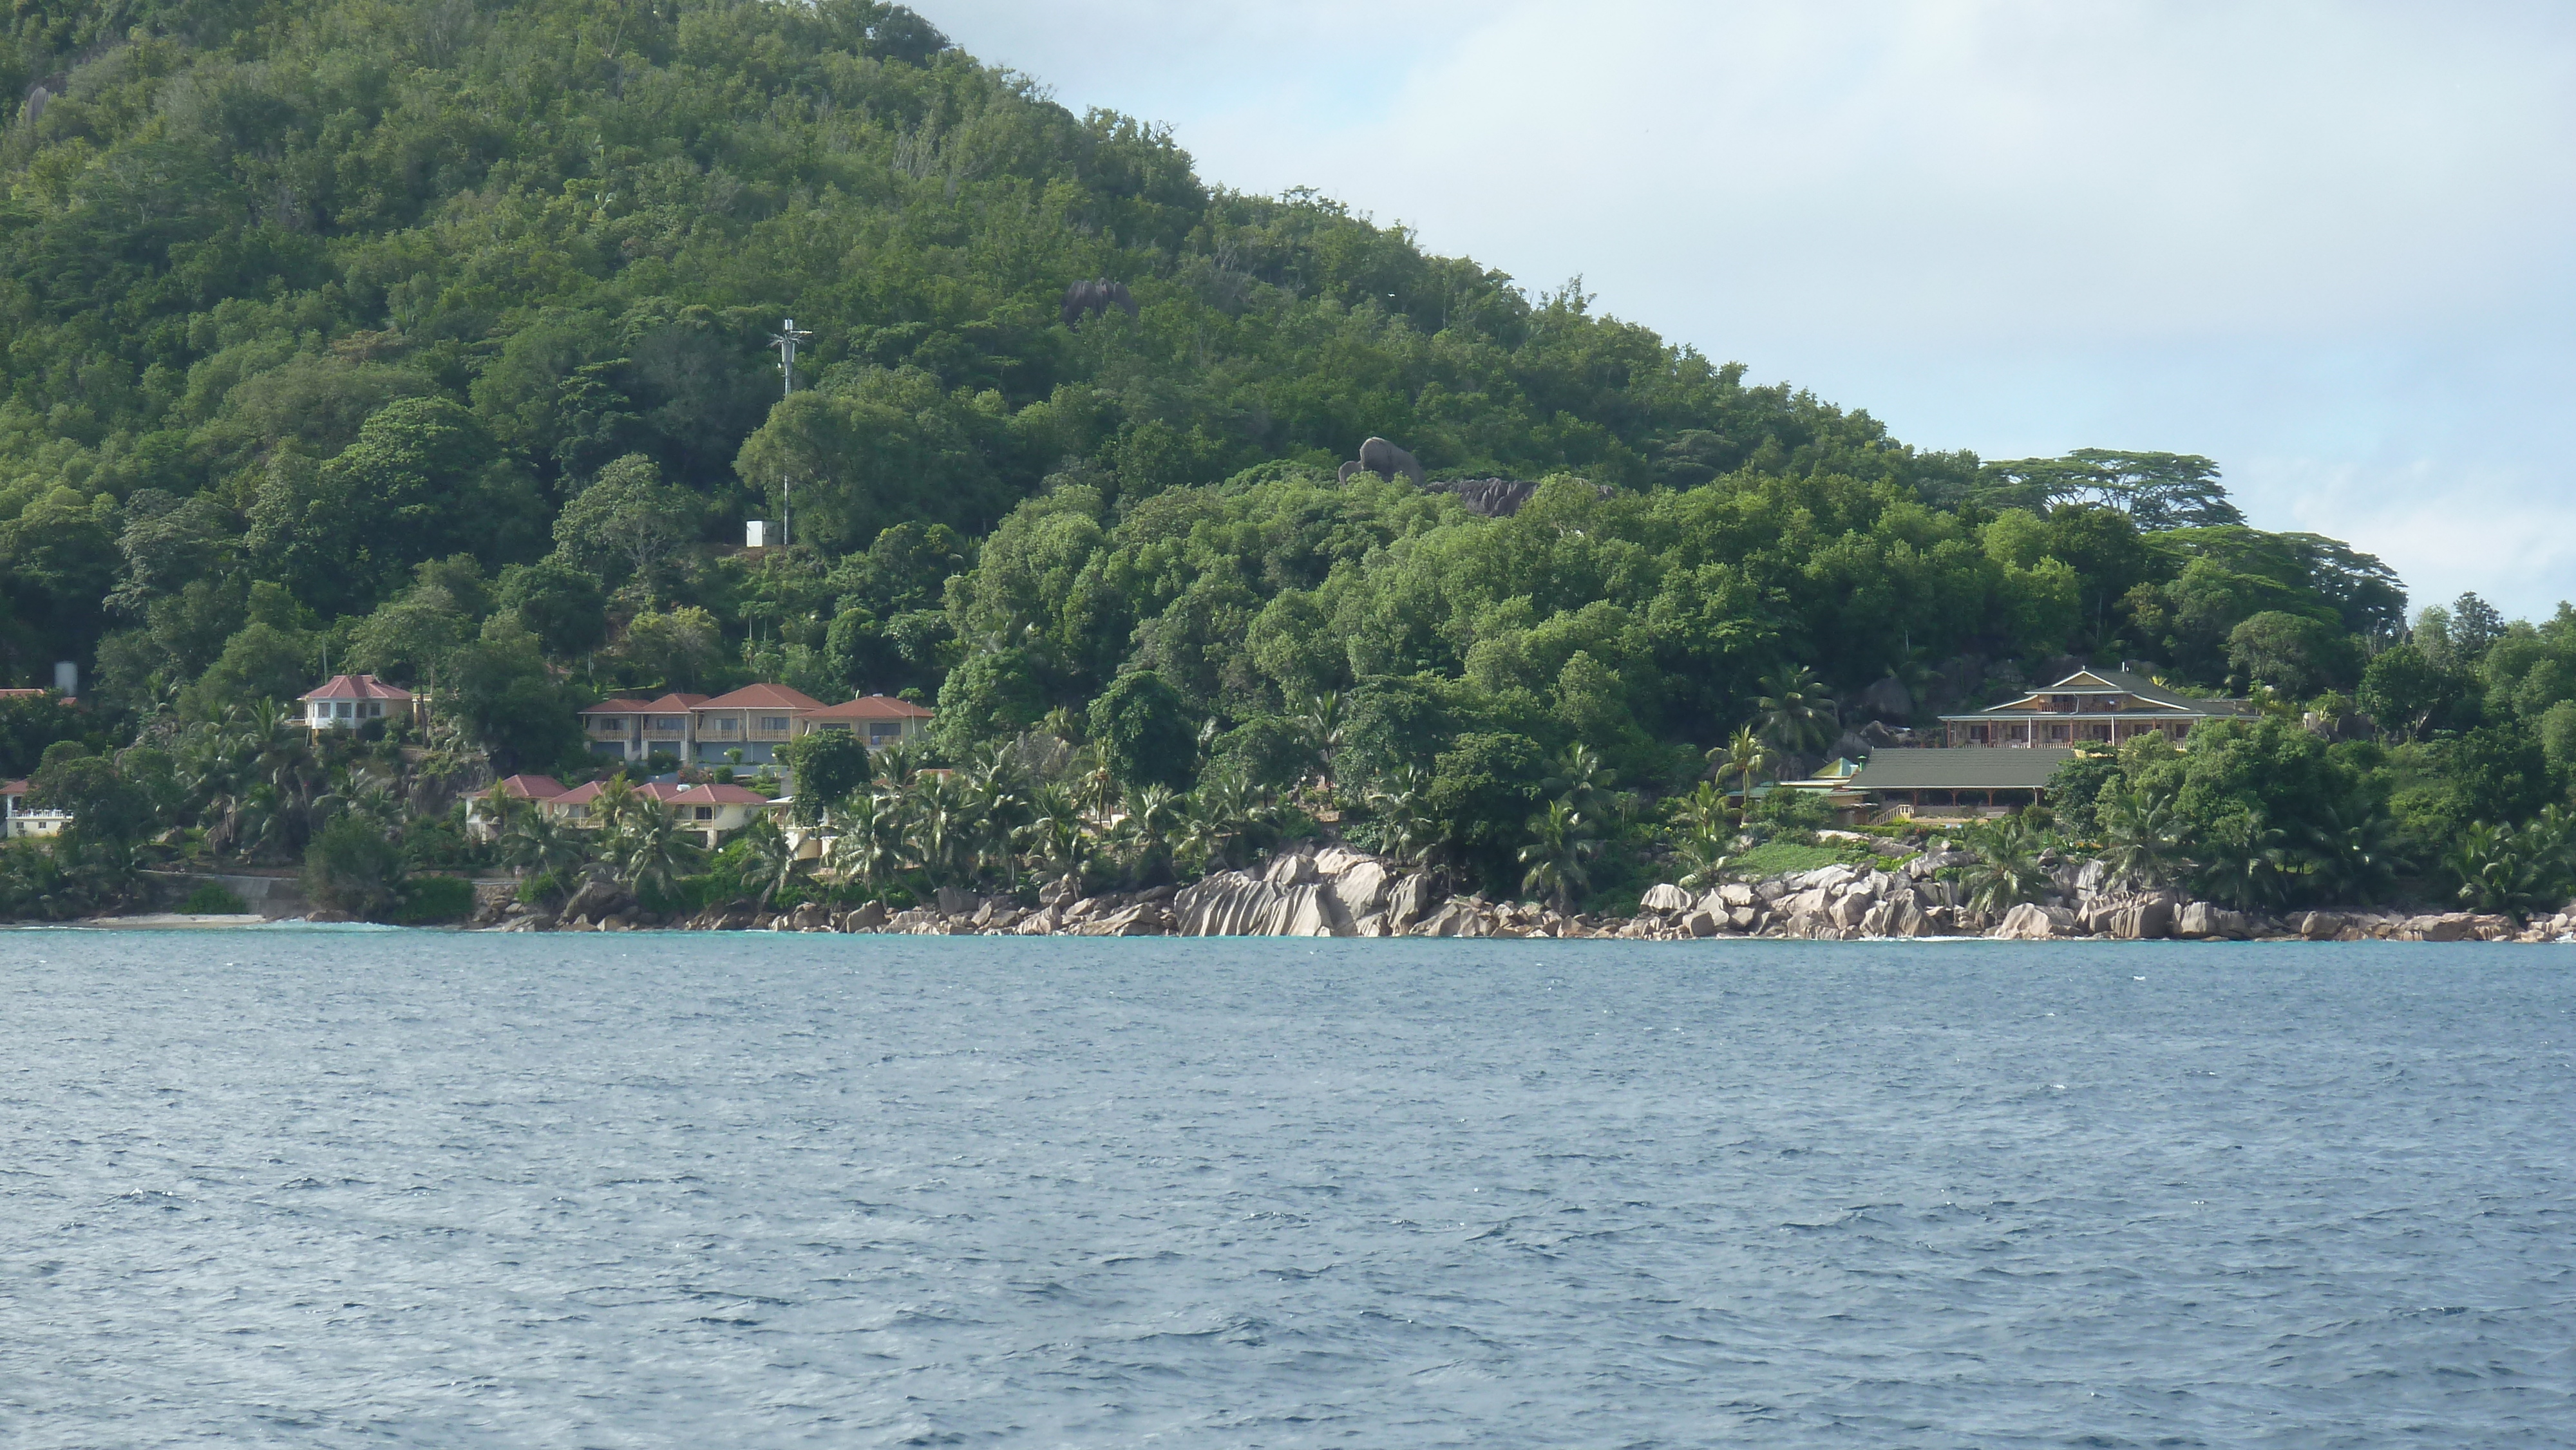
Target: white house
{"points": [[713, 811], [22, 822], [880, 720], [350, 701]]}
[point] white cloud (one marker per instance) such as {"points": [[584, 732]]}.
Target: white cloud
{"points": [[2331, 245]]}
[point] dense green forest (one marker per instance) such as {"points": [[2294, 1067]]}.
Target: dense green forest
{"points": [[434, 339]]}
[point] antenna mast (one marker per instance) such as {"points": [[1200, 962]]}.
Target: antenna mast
{"points": [[785, 340]]}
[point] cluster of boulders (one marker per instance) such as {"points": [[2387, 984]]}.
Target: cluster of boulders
{"points": [[1334, 891]]}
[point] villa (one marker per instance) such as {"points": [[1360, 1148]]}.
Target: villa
{"points": [[712, 811], [350, 701], [880, 720], [754, 720], [1976, 781], [2105, 707], [21, 823]]}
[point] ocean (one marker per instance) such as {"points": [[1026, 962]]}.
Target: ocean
{"points": [[327, 1187]]}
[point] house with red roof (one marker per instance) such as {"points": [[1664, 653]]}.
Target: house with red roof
{"points": [[638, 730], [879, 720], [755, 720], [350, 701], [482, 824], [712, 811]]}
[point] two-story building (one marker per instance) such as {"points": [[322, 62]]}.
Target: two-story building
{"points": [[349, 701], [2090, 707], [21, 822], [878, 720], [638, 730], [755, 720]]}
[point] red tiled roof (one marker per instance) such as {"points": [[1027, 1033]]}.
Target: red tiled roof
{"points": [[667, 794], [532, 787], [673, 704], [762, 696], [13, 787], [872, 707], [358, 687]]}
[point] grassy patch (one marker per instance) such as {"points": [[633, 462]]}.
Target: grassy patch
{"points": [[212, 899], [1784, 858]]}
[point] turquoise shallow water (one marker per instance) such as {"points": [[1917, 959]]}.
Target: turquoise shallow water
{"points": [[348, 1188]]}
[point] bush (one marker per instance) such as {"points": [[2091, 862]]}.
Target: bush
{"points": [[435, 898], [353, 867], [212, 899]]}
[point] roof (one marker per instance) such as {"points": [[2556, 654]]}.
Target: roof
{"points": [[1962, 767], [2159, 700], [31, 694], [670, 795], [871, 707], [13, 787], [358, 687], [532, 787], [671, 704], [754, 697]]}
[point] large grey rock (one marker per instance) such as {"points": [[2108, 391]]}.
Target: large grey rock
{"points": [[597, 898], [1700, 923], [1332, 861], [1414, 898], [1736, 893], [866, 916], [1291, 871], [2147, 918], [2204, 922], [1361, 886], [1314, 911], [2031, 921], [1665, 898]]}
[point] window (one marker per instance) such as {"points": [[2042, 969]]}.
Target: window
{"points": [[775, 724], [724, 724], [345, 709], [706, 813], [666, 722]]}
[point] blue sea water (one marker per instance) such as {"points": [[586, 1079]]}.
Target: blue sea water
{"points": [[325, 1188]]}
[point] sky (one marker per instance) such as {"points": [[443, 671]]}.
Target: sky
{"points": [[2331, 246]]}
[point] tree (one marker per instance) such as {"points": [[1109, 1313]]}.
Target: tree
{"points": [[1144, 731], [678, 647], [1745, 757], [1796, 713], [354, 867], [1557, 861], [2296, 654], [830, 766], [627, 524], [2410, 695], [991, 696], [562, 607], [2007, 870]]}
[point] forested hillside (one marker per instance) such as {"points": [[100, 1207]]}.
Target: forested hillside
{"points": [[434, 339]]}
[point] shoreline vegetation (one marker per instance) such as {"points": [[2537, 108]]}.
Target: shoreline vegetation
{"points": [[435, 344]]}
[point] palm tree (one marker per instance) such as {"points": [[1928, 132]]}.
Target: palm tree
{"points": [[647, 850], [2246, 863], [1743, 757], [2352, 851], [1797, 712], [2007, 871], [868, 850], [943, 834], [1319, 722], [1154, 814], [1406, 831], [2142, 837], [769, 858], [1559, 854], [1580, 778], [1057, 839], [536, 844]]}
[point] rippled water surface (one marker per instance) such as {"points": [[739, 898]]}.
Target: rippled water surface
{"points": [[375, 1188]]}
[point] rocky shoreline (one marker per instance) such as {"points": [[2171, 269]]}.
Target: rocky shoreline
{"points": [[1335, 892]]}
